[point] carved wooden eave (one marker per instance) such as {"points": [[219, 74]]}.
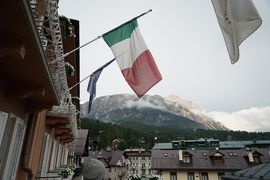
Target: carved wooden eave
{"points": [[57, 120], [67, 139], [61, 131], [64, 133]]}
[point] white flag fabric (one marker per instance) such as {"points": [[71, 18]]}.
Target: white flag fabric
{"points": [[237, 19]]}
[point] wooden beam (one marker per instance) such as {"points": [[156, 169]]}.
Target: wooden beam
{"points": [[37, 106], [15, 49], [26, 91], [56, 122], [61, 131]]}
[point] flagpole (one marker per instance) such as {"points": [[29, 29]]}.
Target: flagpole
{"points": [[150, 10], [79, 82], [91, 74], [70, 52]]}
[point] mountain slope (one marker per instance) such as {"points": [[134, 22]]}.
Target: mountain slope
{"points": [[149, 116], [155, 110]]}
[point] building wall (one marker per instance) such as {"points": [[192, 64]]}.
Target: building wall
{"points": [[137, 166], [33, 144], [213, 175], [42, 151], [15, 109], [182, 175], [165, 175], [53, 156], [11, 105], [114, 172], [118, 172]]}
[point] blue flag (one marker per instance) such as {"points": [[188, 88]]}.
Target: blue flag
{"points": [[93, 81]]}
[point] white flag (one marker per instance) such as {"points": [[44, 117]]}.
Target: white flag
{"points": [[237, 19]]}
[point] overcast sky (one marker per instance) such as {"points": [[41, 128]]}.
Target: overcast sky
{"points": [[187, 44]]}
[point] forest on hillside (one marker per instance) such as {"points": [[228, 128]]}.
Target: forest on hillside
{"points": [[144, 136]]}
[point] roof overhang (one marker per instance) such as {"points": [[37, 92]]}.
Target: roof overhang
{"points": [[24, 70], [61, 125]]}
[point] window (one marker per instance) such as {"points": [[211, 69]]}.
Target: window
{"points": [[186, 159], [143, 171], [220, 174], [52, 163], [15, 149], [173, 176], [204, 176], [46, 151], [256, 158], [143, 158], [218, 157], [190, 176], [58, 155], [143, 165]]}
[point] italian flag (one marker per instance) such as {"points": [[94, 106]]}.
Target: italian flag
{"points": [[133, 57]]}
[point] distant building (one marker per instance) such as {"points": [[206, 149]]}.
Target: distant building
{"points": [[212, 144], [79, 147], [205, 164], [116, 163], [140, 162], [244, 144], [115, 144], [189, 144]]}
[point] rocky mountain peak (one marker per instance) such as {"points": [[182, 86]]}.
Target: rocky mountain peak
{"points": [[123, 106]]}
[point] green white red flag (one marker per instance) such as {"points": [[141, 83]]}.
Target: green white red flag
{"points": [[133, 57]]}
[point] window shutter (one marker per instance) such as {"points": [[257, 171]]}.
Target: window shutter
{"points": [[15, 150], [3, 120]]}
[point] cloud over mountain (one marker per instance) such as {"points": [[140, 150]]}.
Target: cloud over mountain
{"points": [[252, 119]]}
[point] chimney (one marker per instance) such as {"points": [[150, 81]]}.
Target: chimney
{"points": [[180, 155], [250, 157]]}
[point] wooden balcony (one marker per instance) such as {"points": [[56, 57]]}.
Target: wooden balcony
{"points": [[24, 73]]}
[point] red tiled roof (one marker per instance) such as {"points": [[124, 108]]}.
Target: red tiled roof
{"points": [[232, 159]]}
